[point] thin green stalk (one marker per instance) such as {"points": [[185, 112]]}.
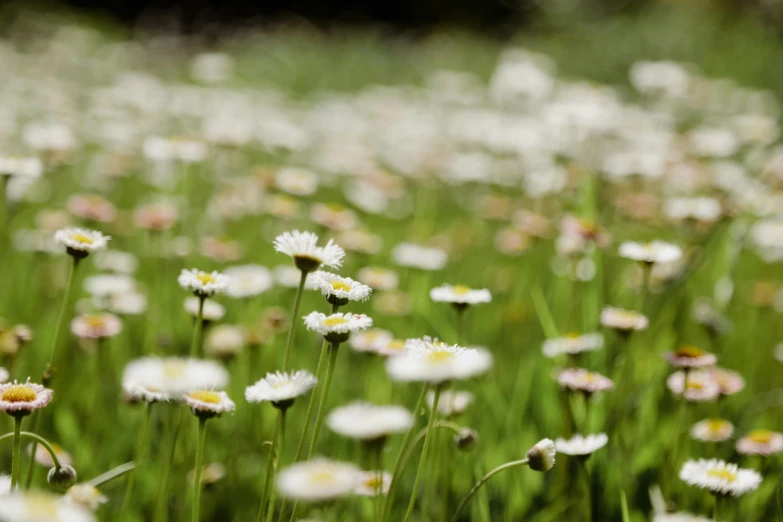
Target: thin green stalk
{"points": [[319, 418], [160, 507], [37, 439], [281, 448], [588, 509], [141, 444], [202, 439], [717, 510], [399, 463], [112, 474], [483, 481], [270, 467], [294, 320], [195, 344], [377, 506], [423, 459], [16, 454]]}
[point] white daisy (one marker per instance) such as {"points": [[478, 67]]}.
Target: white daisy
{"points": [[426, 360], [307, 256], [337, 328], [20, 399], [203, 284], [297, 181], [451, 403], [572, 344], [154, 379], [541, 457], [720, 477], [373, 483], [623, 320], [712, 430], [579, 379], [690, 357], [106, 285], [653, 252], [369, 422], [86, 496], [379, 278], [761, 442], [579, 445], [318, 480], [700, 386], [418, 256], [281, 387], [339, 290], [248, 281], [40, 507], [225, 341], [96, 326], [80, 242], [208, 403], [213, 311], [372, 340], [460, 295]]}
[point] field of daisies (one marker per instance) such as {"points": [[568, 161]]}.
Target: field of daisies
{"points": [[274, 280]]}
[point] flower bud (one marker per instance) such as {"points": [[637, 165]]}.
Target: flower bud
{"points": [[541, 457], [62, 478], [466, 440]]}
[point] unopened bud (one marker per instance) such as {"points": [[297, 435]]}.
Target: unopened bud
{"points": [[466, 439], [541, 457], [62, 478]]}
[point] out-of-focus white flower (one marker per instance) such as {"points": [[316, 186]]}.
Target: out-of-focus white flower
{"points": [[712, 430], [460, 295], [418, 256], [580, 445], [155, 379], [690, 357], [225, 341], [761, 442], [432, 361], [720, 477], [666, 78], [318, 480], [96, 326], [379, 278], [339, 290], [573, 344], [86, 496], [451, 403], [653, 252], [247, 281], [41, 507], [365, 421], [213, 311], [579, 379], [713, 142], [624, 320], [372, 483], [701, 209], [203, 284], [699, 387], [297, 181]]}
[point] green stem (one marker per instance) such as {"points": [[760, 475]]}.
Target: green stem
{"points": [[423, 459], [160, 507], [270, 468], [399, 461], [588, 500], [37, 439], [377, 506], [16, 454], [483, 481], [64, 309], [294, 320], [319, 418], [202, 439], [281, 446], [195, 344], [141, 444], [112, 474]]}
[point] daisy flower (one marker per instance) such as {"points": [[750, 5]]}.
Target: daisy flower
{"points": [[86, 496], [161, 215], [572, 344], [154, 379], [339, 290], [333, 216], [700, 386], [451, 403], [208, 403], [431, 361], [337, 328], [247, 281], [307, 256], [225, 341], [761, 442], [369, 422], [712, 430], [372, 483], [653, 252], [203, 284], [372, 340], [460, 296], [579, 379], [360, 241], [19, 400], [80, 242], [418, 256], [40, 507], [379, 278], [623, 320], [690, 357], [297, 181], [96, 326], [541, 457], [213, 311], [106, 285], [318, 480], [729, 382], [579, 445], [281, 388], [720, 477]]}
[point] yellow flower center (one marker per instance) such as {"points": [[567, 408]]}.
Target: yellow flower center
{"points": [[95, 321], [40, 507], [206, 278], [694, 385], [339, 285], [322, 477], [440, 356], [722, 474], [81, 238], [715, 425], [334, 207], [396, 344], [590, 377], [19, 393], [689, 352], [373, 482], [461, 289], [334, 321], [572, 335], [761, 436], [209, 397]]}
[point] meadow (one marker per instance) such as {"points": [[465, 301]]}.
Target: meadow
{"points": [[571, 242]]}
